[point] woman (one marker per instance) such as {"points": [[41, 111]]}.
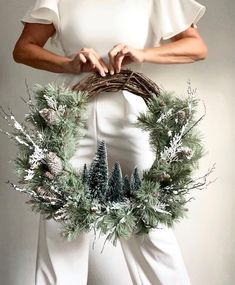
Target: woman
{"points": [[105, 36]]}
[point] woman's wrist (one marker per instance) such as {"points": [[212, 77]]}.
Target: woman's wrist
{"points": [[66, 65], [149, 54]]}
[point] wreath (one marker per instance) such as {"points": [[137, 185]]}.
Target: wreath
{"points": [[94, 197]]}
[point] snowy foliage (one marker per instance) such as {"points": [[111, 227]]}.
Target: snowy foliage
{"points": [[94, 197]]}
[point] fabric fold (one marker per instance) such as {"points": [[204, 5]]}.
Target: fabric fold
{"points": [[170, 17]]}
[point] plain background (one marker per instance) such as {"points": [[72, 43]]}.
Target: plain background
{"points": [[206, 237]]}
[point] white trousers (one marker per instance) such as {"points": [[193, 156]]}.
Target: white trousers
{"points": [[154, 260]]}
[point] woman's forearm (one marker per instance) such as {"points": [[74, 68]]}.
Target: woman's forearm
{"points": [[40, 58], [184, 50]]}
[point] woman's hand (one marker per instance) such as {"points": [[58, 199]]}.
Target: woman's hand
{"points": [[86, 60], [122, 54]]}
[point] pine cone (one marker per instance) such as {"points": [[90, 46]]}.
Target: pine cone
{"points": [[49, 175], [60, 215], [50, 116], [41, 191], [54, 163], [156, 194], [164, 176], [184, 153], [162, 104], [45, 193], [94, 209], [181, 116]]}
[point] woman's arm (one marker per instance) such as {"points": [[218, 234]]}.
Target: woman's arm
{"points": [[185, 47], [29, 50]]}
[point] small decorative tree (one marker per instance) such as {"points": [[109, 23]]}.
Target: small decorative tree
{"points": [[85, 173], [126, 187], [98, 173], [135, 181], [115, 184]]}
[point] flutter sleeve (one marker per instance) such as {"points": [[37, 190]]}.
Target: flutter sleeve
{"points": [[170, 17], [44, 12]]}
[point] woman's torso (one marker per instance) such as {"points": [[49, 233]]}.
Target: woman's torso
{"points": [[101, 25]]}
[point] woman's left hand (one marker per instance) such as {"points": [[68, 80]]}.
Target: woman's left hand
{"points": [[122, 54]]}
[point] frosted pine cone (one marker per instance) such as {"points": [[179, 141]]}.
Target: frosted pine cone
{"points": [[49, 175], [181, 116], [164, 176], [50, 116], [94, 209], [54, 163], [60, 215], [184, 153], [46, 194], [41, 191]]}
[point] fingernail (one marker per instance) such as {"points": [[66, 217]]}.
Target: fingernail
{"points": [[103, 74], [111, 72]]}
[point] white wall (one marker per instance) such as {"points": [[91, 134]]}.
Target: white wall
{"points": [[207, 236]]}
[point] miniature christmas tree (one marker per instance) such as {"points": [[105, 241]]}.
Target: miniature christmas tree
{"points": [[85, 174], [135, 181], [126, 187], [115, 193], [85, 180], [98, 173]]}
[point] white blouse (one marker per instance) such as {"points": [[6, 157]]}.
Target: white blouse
{"points": [[101, 24]]}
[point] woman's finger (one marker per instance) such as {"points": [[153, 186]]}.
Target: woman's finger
{"points": [[95, 62], [98, 65], [112, 54], [111, 69], [82, 57], [119, 58], [105, 67]]}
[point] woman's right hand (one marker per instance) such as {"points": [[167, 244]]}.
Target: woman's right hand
{"points": [[87, 60]]}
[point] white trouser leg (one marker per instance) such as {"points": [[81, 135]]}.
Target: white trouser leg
{"points": [[155, 259], [60, 261]]}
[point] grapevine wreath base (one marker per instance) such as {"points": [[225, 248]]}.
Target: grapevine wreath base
{"points": [[94, 197]]}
